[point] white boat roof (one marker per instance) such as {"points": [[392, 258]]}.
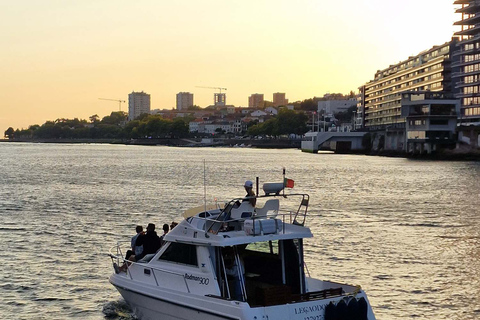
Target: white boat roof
{"points": [[192, 229], [186, 233]]}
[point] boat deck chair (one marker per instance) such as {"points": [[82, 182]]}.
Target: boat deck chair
{"points": [[245, 210], [270, 208]]}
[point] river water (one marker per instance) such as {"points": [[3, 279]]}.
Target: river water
{"points": [[407, 231]]}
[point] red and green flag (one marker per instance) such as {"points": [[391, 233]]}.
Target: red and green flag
{"points": [[288, 183]]}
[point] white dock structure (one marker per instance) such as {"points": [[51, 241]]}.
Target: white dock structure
{"points": [[336, 141]]}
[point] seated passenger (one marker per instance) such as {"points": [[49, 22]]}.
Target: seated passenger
{"points": [[165, 228], [150, 242]]}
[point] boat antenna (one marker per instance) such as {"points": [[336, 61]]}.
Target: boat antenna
{"points": [[204, 185]]}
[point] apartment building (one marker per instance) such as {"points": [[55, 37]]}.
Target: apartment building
{"points": [[184, 100], [431, 120], [467, 69], [138, 103], [360, 114], [279, 99], [255, 100], [430, 70]]}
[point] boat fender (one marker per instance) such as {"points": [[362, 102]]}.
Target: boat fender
{"points": [[341, 310], [362, 309], [330, 312], [353, 312]]}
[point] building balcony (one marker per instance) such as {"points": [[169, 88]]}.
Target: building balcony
{"points": [[469, 40], [473, 8], [468, 21], [467, 95], [461, 52], [462, 1], [469, 32], [462, 84], [464, 63], [464, 74]]}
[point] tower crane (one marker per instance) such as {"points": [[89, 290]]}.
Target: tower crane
{"points": [[218, 88], [219, 99], [118, 100]]}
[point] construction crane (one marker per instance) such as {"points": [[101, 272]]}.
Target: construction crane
{"points": [[218, 88], [219, 99], [118, 100]]}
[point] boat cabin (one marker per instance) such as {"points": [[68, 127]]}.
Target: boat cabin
{"points": [[238, 252]]}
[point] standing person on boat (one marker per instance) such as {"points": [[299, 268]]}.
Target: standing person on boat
{"points": [[166, 228], [234, 267], [250, 197], [150, 242]]}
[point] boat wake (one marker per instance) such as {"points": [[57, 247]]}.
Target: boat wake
{"points": [[118, 310]]}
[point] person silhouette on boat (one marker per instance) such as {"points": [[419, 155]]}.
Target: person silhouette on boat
{"points": [[150, 242], [250, 197], [165, 228], [234, 267], [136, 250]]}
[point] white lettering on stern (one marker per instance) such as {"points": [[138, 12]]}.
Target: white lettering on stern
{"points": [[313, 312]]}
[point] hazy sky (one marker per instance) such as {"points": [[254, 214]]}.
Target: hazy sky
{"points": [[57, 57]]}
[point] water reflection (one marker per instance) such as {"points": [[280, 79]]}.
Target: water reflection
{"points": [[407, 231]]}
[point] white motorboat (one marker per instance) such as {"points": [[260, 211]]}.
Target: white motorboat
{"points": [[236, 262]]}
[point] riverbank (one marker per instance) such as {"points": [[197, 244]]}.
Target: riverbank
{"points": [[444, 155], [176, 142]]}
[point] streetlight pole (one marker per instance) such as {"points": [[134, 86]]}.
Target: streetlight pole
{"points": [[324, 111], [354, 120]]}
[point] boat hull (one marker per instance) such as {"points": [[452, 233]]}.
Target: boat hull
{"points": [[153, 304], [149, 308]]}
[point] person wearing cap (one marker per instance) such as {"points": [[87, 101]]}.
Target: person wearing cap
{"points": [[250, 194]]}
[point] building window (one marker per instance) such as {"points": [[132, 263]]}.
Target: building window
{"points": [[438, 122], [413, 135]]}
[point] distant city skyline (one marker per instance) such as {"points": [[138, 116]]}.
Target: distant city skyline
{"points": [[60, 57]]}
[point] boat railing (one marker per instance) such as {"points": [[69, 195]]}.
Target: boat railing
{"points": [[117, 257], [232, 213]]}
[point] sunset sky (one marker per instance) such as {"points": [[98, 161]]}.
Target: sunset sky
{"points": [[59, 56]]}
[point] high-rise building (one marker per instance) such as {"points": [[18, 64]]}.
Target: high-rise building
{"points": [[138, 103], [279, 99], [360, 113], [428, 71], [255, 100], [220, 99], [467, 70], [184, 100]]}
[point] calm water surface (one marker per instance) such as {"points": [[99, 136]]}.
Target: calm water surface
{"points": [[407, 231]]}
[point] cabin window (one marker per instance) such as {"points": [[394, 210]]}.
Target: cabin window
{"points": [[180, 253]]}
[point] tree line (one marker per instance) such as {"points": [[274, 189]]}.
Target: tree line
{"points": [[113, 126], [286, 122], [116, 125]]}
